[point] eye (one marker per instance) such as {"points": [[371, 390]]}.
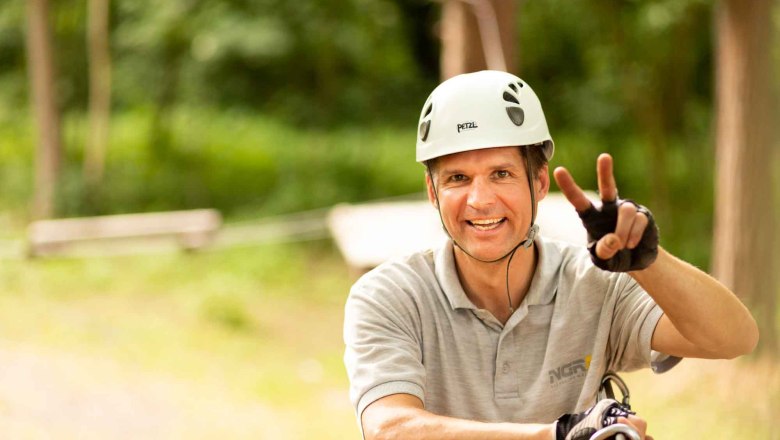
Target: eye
{"points": [[502, 174], [458, 177]]}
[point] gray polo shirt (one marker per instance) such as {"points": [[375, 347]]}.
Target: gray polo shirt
{"points": [[410, 328]]}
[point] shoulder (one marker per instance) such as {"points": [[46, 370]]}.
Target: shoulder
{"points": [[391, 299], [396, 286], [406, 273], [570, 260], [576, 270]]}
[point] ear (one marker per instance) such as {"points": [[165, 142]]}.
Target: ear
{"points": [[542, 183], [429, 186]]}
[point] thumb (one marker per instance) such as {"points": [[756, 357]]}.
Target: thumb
{"points": [[608, 246]]}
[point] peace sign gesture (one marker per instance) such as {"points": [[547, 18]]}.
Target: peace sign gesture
{"points": [[622, 235]]}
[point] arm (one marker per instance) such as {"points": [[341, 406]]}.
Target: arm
{"points": [[702, 318], [403, 416]]}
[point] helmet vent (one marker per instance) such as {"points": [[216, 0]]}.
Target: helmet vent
{"points": [[508, 97], [520, 85], [516, 114], [425, 127], [428, 110], [513, 87]]}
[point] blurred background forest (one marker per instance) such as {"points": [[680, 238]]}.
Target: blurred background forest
{"points": [[246, 105], [266, 107]]}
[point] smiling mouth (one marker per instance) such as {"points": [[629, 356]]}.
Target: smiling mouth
{"points": [[486, 224]]}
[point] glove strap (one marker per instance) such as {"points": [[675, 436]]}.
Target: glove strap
{"points": [[602, 221]]}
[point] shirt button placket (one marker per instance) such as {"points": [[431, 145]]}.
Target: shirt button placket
{"points": [[506, 383]]}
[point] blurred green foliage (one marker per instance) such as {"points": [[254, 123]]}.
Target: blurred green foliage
{"points": [[317, 62], [262, 107], [247, 106]]}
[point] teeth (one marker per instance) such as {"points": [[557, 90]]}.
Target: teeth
{"points": [[486, 225], [486, 222]]}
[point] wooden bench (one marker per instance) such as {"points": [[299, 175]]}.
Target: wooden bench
{"points": [[368, 234], [191, 229]]}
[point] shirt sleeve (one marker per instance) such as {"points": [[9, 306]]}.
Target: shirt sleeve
{"points": [[634, 320], [383, 353]]}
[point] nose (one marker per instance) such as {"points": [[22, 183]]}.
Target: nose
{"points": [[481, 194]]}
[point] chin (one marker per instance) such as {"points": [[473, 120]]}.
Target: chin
{"points": [[484, 254]]}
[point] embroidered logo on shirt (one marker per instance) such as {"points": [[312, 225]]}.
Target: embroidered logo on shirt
{"points": [[568, 372]]}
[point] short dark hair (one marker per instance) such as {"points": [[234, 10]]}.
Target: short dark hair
{"points": [[533, 155]]}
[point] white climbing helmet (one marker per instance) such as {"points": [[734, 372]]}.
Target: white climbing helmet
{"points": [[481, 110]]}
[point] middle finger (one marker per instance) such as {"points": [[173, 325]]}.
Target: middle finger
{"points": [[637, 230], [626, 216]]}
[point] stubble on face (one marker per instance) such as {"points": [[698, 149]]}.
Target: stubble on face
{"points": [[484, 198]]}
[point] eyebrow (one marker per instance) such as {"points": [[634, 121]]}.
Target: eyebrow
{"points": [[446, 172], [504, 166], [500, 166]]}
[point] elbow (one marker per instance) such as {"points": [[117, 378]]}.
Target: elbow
{"points": [[376, 431], [392, 417], [387, 428], [744, 343], [751, 339]]}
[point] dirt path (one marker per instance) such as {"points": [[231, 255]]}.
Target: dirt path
{"points": [[46, 393]]}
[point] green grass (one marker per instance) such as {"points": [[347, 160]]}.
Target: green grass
{"points": [[262, 326], [737, 399]]}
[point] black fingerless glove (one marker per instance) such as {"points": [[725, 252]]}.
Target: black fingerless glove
{"points": [[600, 222], [583, 425]]}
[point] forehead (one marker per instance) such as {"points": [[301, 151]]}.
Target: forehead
{"points": [[486, 157]]}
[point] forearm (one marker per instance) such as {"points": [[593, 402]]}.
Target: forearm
{"points": [[417, 423], [703, 310]]}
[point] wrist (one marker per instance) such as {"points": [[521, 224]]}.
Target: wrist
{"points": [[532, 431], [652, 269]]}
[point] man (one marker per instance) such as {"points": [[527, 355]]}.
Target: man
{"points": [[501, 333]]}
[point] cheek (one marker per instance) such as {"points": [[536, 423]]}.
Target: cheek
{"points": [[517, 204], [450, 206]]}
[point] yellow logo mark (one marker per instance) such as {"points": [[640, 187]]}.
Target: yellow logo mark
{"points": [[587, 362]]}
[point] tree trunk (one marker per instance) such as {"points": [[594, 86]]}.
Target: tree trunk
{"points": [[44, 102], [477, 35], [99, 92], [745, 239]]}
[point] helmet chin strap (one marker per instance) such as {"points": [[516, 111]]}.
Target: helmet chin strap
{"points": [[533, 229]]}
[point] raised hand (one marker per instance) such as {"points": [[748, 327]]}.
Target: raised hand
{"points": [[622, 235]]}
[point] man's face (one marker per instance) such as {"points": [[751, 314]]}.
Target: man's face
{"points": [[484, 199]]}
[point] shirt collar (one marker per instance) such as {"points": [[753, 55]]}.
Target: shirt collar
{"points": [[447, 275], [544, 284]]}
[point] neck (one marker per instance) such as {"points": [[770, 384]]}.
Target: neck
{"points": [[485, 283]]}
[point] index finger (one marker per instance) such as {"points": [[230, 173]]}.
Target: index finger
{"points": [[573, 193], [607, 185]]}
